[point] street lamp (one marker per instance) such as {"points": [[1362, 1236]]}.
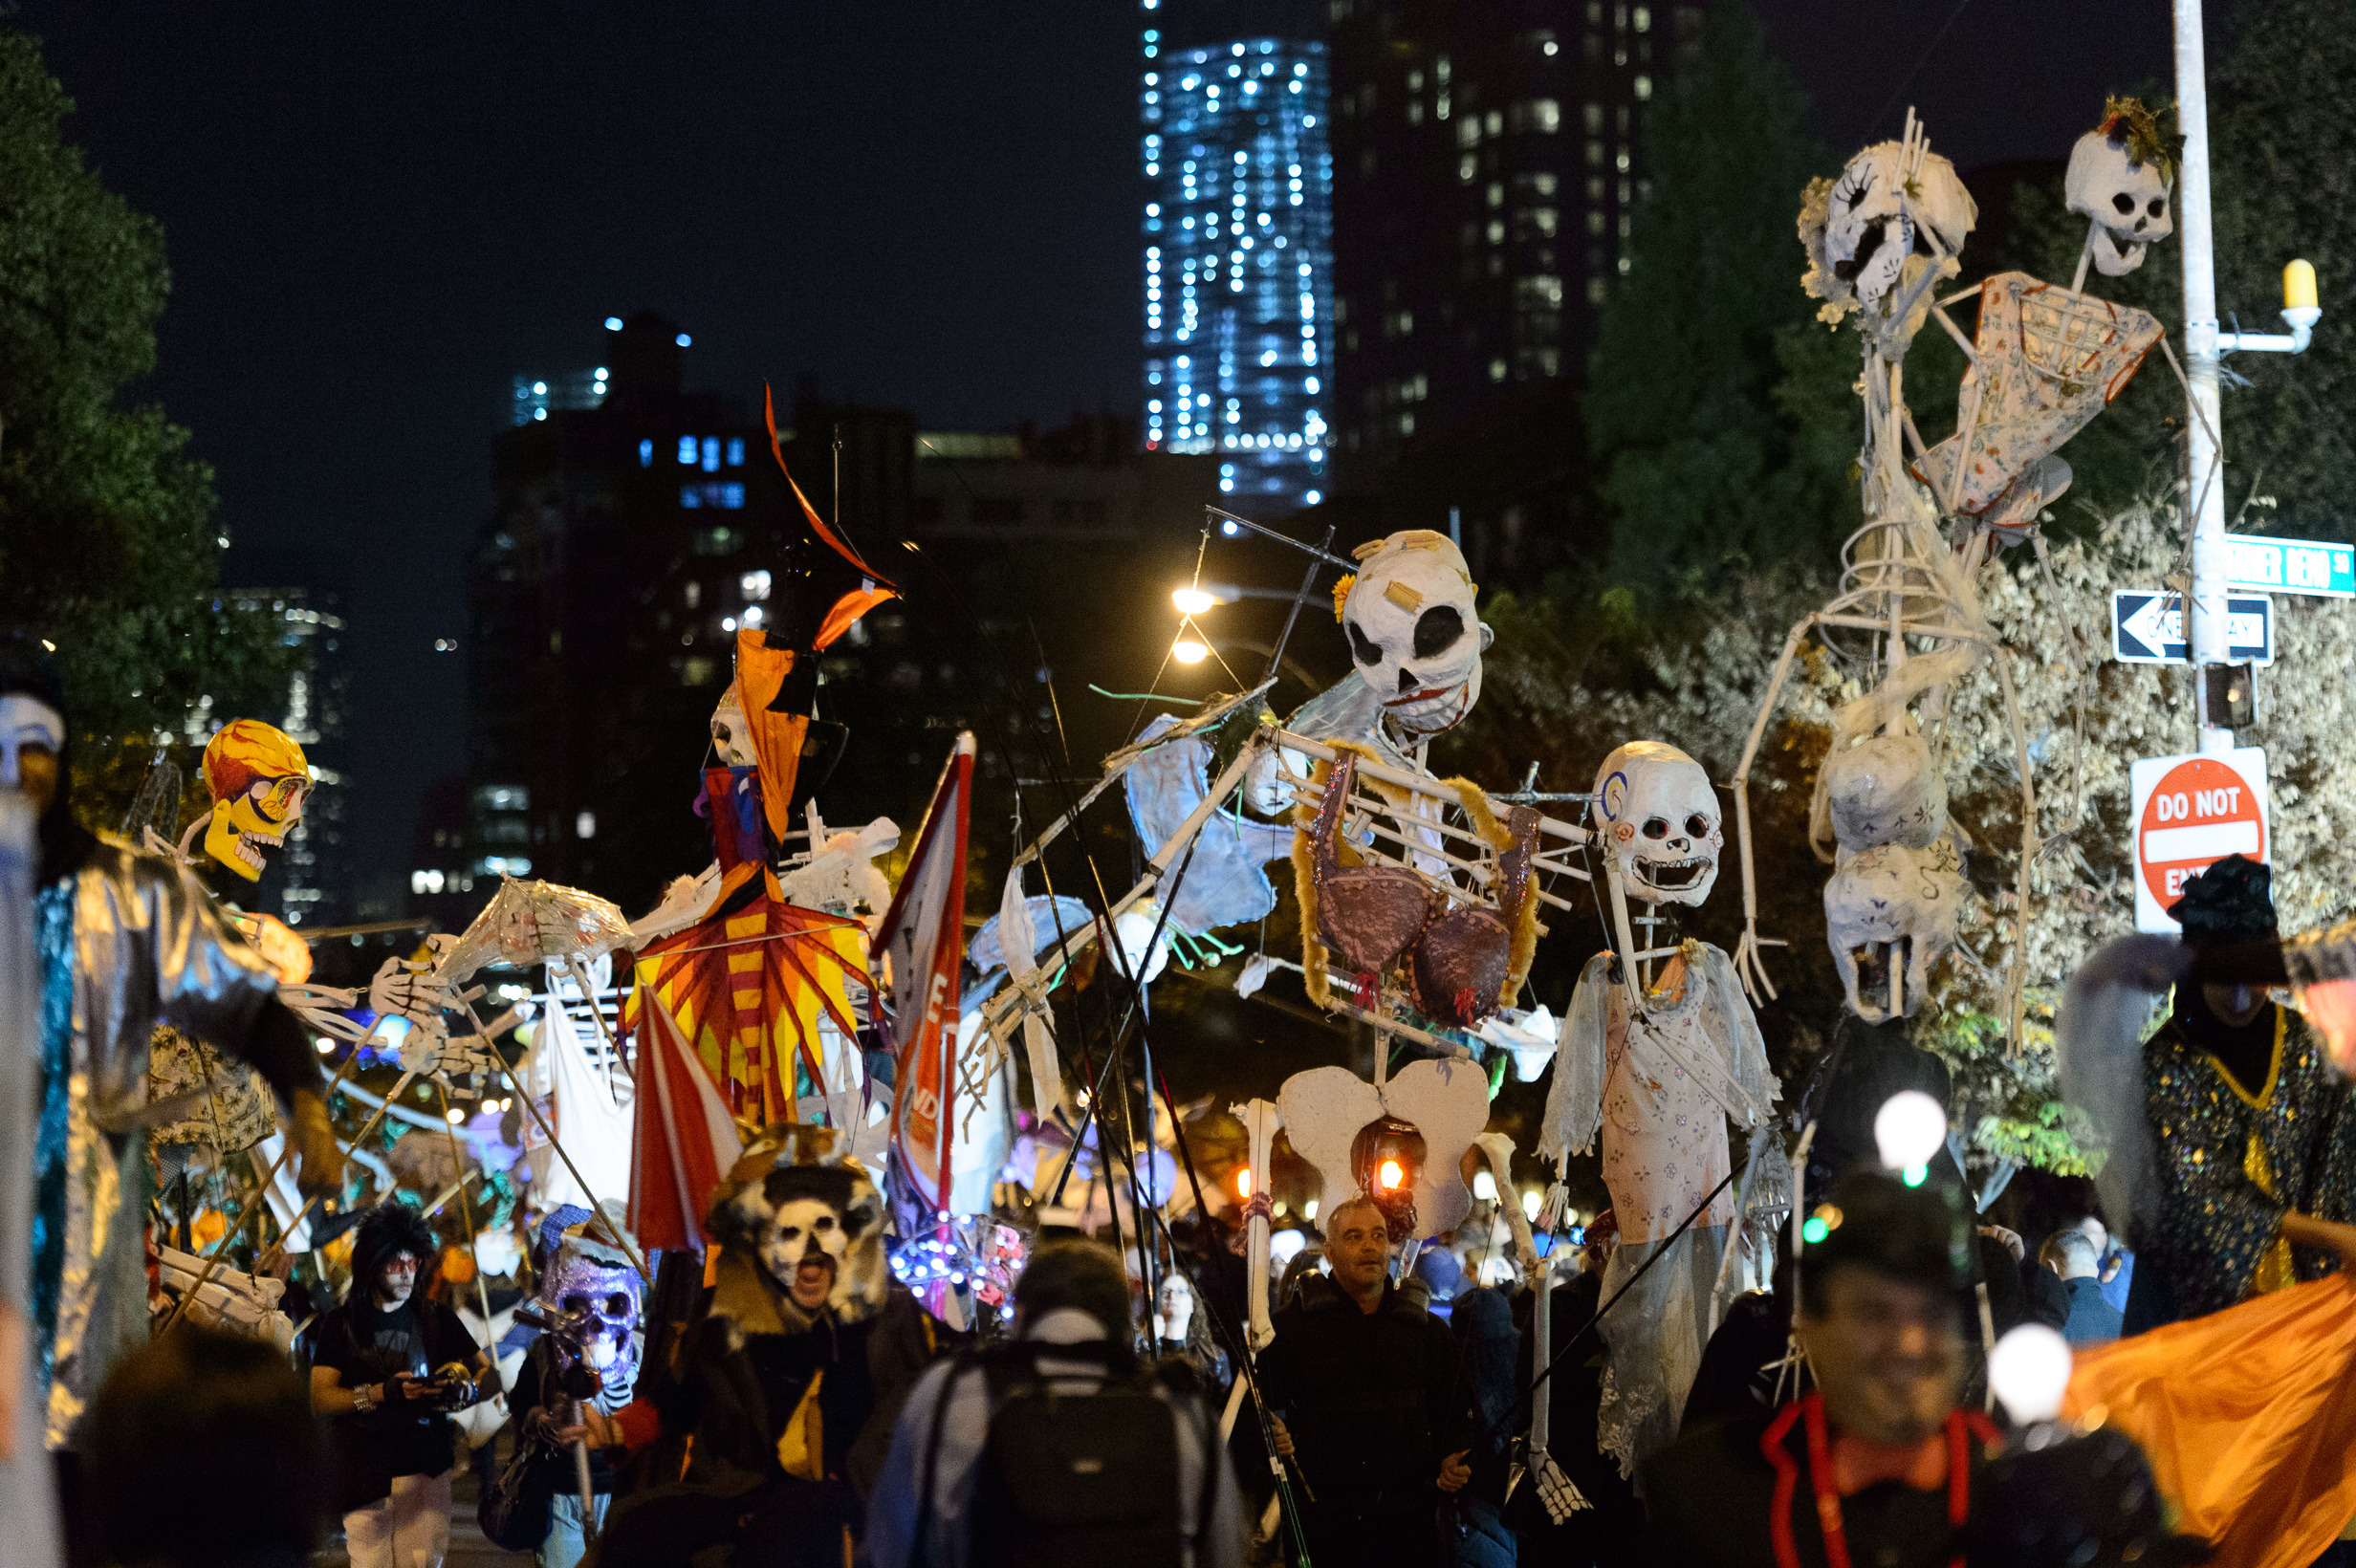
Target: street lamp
{"points": [[1187, 651], [2299, 308]]}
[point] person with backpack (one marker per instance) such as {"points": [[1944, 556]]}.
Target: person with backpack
{"points": [[1058, 1449]]}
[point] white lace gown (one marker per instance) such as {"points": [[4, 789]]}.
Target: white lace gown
{"points": [[1659, 1090]]}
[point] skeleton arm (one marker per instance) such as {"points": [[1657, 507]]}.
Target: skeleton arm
{"points": [[1747, 966]]}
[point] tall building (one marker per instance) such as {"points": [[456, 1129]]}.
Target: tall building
{"points": [[1487, 166], [1238, 248], [310, 879]]}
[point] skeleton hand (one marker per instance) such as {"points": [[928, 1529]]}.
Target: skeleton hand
{"points": [[415, 990], [1555, 1489], [1747, 966]]}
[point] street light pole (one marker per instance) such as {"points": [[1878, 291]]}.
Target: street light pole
{"points": [[2205, 498]]}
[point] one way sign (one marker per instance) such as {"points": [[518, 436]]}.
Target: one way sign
{"points": [[2147, 627]]}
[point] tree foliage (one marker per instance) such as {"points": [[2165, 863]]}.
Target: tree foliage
{"points": [[108, 543]]}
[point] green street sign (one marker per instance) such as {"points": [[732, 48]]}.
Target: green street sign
{"points": [[2290, 566]]}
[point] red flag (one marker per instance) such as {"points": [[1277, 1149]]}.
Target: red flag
{"points": [[686, 1140], [924, 935]]}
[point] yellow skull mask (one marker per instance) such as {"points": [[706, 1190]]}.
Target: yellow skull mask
{"points": [[258, 779]]}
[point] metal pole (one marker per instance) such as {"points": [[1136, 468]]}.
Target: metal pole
{"points": [[2205, 499]]}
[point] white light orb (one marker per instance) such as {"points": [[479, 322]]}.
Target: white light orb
{"points": [[1909, 1130], [2029, 1371]]}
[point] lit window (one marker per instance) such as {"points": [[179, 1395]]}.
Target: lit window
{"points": [[646, 453], [684, 341], [539, 413], [585, 825], [612, 323], [736, 451], [711, 454], [756, 585], [687, 450]]}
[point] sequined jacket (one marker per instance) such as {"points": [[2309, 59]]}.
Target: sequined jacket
{"points": [[2233, 1161], [147, 945]]}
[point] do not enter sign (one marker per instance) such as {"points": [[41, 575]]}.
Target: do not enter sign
{"points": [[2190, 812]]}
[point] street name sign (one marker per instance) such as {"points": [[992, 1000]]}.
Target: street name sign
{"points": [[2290, 566], [2147, 627], [2188, 813]]}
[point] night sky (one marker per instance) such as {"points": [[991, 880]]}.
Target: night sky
{"points": [[377, 216]]}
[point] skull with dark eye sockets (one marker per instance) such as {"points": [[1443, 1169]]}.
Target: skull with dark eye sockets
{"points": [[1660, 822], [1414, 636], [2118, 179], [591, 1279]]}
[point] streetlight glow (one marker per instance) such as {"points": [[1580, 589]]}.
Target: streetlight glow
{"points": [[1187, 651], [1192, 600]]}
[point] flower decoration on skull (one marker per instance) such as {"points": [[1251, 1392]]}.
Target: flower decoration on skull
{"points": [[1414, 637], [258, 779], [1658, 817], [591, 1281], [800, 1233], [2120, 175]]}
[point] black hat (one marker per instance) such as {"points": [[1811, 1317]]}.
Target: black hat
{"points": [[1872, 1220], [2231, 901]]}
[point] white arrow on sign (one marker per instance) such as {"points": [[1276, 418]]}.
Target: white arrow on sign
{"points": [[2147, 627]]}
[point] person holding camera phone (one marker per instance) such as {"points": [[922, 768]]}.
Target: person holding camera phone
{"points": [[387, 1368]]}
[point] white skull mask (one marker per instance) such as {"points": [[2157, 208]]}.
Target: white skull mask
{"points": [[2124, 194], [1414, 637], [1888, 907], [1660, 822], [1871, 227], [796, 1228], [730, 736]]}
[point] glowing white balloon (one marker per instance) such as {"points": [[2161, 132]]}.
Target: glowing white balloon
{"points": [[2029, 1371], [1909, 1130]]}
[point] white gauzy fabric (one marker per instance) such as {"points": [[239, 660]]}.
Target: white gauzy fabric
{"points": [[595, 1128], [1653, 1341]]}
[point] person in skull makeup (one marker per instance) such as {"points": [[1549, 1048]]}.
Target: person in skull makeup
{"points": [[122, 941], [386, 1366], [780, 1393], [589, 1282]]}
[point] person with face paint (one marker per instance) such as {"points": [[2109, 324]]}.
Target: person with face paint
{"points": [[781, 1389], [573, 1383], [122, 942], [386, 1369]]}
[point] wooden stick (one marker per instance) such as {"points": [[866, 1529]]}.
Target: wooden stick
{"points": [[466, 1210]]}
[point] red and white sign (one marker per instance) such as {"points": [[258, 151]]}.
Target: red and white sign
{"points": [[2189, 813]]}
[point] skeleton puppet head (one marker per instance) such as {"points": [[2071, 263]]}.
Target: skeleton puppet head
{"points": [[1413, 635], [258, 779], [730, 736], [591, 1277], [2120, 175], [1873, 217], [790, 1228], [1660, 822]]}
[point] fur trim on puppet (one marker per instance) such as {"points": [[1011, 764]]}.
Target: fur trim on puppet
{"points": [[786, 1164], [1526, 927]]}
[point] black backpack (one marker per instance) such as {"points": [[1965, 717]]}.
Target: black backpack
{"points": [[1074, 1480]]}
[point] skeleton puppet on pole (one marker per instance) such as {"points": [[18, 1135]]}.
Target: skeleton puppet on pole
{"points": [[1657, 1062]]}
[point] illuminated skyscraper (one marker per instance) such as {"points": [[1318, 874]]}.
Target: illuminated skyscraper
{"points": [[1239, 257]]}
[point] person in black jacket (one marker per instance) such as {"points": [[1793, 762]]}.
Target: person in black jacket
{"points": [[1370, 1402], [1602, 1532]]}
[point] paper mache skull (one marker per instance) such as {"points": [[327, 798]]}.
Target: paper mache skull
{"points": [[1659, 821], [785, 1203], [1414, 637], [732, 737], [258, 779], [2120, 175], [1402, 1146], [1891, 905], [589, 1277], [1861, 228]]}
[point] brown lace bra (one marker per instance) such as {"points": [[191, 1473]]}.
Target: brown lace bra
{"points": [[1457, 956]]}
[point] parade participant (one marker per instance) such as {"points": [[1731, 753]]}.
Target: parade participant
{"points": [[1368, 1402], [592, 1290], [180, 1436], [953, 1479], [122, 940], [2070, 1255], [2219, 1126], [387, 1368], [768, 1423], [1874, 1466], [1474, 1532]]}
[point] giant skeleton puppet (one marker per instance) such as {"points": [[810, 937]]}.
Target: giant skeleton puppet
{"points": [[1658, 1062]]}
